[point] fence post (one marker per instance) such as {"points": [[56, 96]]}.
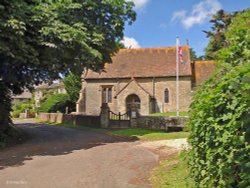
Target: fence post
{"points": [[104, 116]]}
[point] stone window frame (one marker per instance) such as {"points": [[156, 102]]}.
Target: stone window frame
{"points": [[166, 90], [106, 93]]}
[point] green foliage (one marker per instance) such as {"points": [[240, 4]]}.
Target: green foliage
{"points": [[5, 96], [40, 40], [21, 107], [173, 173], [73, 86], [6, 130], [221, 20], [193, 55], [220, 116], [44, 39], [55, 103]]}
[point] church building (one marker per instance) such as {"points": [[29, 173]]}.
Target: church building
{"points": [[145, 77]]}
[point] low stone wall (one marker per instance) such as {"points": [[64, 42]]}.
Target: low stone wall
{"points": [[81, 120], [51, 117], [166, 123], [27, 115], [161, 122]]}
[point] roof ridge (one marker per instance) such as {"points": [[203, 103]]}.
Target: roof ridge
{"points": [[151, 48]]}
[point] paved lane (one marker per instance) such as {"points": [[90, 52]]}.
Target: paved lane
{"points": [[61, 157]]}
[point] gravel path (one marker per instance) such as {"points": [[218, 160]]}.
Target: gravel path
{"points": [[60, 157]]}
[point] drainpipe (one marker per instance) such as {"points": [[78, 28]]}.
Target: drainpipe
{"points": [[117, 98], [153, 105], [153, 82]]}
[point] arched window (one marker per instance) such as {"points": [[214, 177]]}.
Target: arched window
{"points": [[166, 96]]}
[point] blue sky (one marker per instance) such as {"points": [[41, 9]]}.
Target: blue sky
{"points": [[160, 21]]}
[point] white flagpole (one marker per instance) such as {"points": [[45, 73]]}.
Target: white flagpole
{"points": [[177, 76]]}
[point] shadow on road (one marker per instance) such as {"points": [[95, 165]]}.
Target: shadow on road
{"points": [[46, 140]]}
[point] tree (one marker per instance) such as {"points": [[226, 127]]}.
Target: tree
{"points": [[39, 40], [193, 55], [220, 115], [221, 20], [73, 85], [55, 103]]}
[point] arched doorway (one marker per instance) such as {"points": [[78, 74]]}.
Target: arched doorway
{"points": [[133, 99]]}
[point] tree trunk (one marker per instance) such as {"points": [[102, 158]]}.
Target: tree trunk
{"points": [[5, 108]]}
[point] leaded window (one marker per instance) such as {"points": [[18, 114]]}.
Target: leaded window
{"points": [[166, 96]]}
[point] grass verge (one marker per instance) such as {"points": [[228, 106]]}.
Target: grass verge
{"points": [[172, 173], [169, 114], [139, 133], [150, 135]]}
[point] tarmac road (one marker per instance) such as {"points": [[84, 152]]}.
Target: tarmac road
{"points": [[59, 157]]}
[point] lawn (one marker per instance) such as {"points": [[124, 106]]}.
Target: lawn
{"points": [[169, 114], [146, 134], [172, 172], [139, 133]]}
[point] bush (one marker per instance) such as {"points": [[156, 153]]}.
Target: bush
{"points": [[220, 116], [16, 114], [73, 85], [55, 103], [21, 107], [219, 124]]}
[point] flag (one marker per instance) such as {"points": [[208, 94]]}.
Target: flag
{"points": [[179, 50]]}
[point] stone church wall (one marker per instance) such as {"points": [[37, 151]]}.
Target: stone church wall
{"points": [[152, 87]]}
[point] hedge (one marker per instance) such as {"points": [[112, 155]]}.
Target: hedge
{"points": [[220, 116]]}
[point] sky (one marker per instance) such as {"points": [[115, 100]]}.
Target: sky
{"points": [[160, 21]]}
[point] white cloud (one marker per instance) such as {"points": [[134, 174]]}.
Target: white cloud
{"points": [[130, 42], [140, 4], [200, 13]]}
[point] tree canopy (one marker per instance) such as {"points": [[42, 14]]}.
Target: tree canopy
{"points": [[73, 85], [220, 22], [41, 40], [193, 55]]}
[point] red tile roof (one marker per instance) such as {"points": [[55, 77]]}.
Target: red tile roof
{"points": [[203, 70], [144, 62]]}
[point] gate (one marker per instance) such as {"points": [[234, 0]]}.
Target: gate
{"points": [[119, 120]]}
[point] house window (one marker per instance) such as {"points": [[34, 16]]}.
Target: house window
{"points": [[166, 96], [106, 94]]}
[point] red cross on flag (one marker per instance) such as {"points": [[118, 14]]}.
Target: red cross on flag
{"points": [[179, 50]]}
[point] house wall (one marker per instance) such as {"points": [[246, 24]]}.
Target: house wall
{"points": [[40, 93], [154, 87]]}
